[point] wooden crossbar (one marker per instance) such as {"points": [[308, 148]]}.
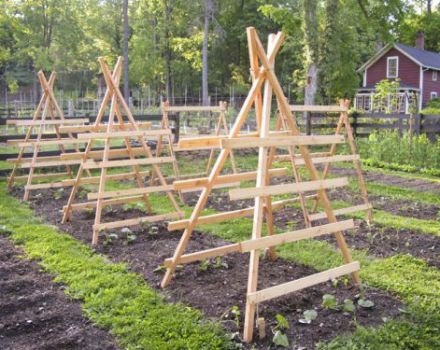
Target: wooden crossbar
{"points": [[136, 221], [129, 192], [48, 164], [106, 202], [44, 186], [265, 242], [121, 134], [318, 109], [342, 211], [215, 109], [225, 179], [330, 159], [274, 190], [20, 122], [114, 153], [126, 162], [288, 157], [29, 160], [41, 176], [95, 179], [103, 127], [61, 142], [302, 283], [252, 142], [229, 215]]}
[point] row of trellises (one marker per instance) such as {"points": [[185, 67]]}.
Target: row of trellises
{"points": [[364, 124]]}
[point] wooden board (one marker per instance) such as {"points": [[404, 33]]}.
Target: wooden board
{"points": [[318, 109], [252, 142], [215, 109], [121, 134], [305, 282], [19, 122], [126, 162], [103, 127], [342, 211], [129, 192], [274, 190]]}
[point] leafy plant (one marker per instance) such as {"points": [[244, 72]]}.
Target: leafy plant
{"points": [[365, 303], [329, 301], [308, 316], [279, 338], [348, 306]]}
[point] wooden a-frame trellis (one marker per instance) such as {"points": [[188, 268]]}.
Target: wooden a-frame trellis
{"points": [[117, 129], [47, 106], [327, 158], [266, 141]]}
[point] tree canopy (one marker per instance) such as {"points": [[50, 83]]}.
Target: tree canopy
{"points": [[166, 38]]}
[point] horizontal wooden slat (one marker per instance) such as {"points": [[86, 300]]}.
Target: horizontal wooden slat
{"points": [[251, 142], [265, 242], [215, 218], [287, 158], [19, 122], [106, 202], [342, 211], [331, 159], [127, 162], [246, 193], [137, 221], [96, 179], [113, 153], [205, 142], [48, 164], [317, 108], [40, 176], [129, 192], [305, 282], [103, 127], [29, 160], [225, 179], [44, 186], [52, 142], [193, 109], [120, 134]]}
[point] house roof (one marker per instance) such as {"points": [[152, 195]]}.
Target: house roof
{"points": [[423, 58]]}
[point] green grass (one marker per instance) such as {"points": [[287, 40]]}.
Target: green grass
{"points": [[112, 297]]}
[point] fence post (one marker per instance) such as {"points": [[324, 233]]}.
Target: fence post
{"points": [[400, 124], [354, 124], [177, 128], [308, 123], [418, 123]]}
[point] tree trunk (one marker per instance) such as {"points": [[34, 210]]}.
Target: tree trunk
{"points": [[208, 14], [168, 5], [126, 37], [312, 47], [429, 6]]}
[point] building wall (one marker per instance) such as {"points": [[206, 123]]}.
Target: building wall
{"points": [[408, 72], [430, 85]]}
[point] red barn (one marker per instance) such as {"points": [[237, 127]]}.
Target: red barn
{"points": [[416, 68]]}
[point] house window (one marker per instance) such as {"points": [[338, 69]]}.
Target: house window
{"points": [[434, 75], [392, 67], [433, 95]]}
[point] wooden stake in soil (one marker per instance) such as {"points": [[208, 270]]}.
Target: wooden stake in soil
{"points": [[263, 191], [48, 106], [126, 131]]}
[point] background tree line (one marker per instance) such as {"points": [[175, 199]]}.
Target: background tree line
{"points": [[179, 47]]}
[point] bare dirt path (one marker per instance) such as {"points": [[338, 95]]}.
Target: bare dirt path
{"points": [[35, 314]]}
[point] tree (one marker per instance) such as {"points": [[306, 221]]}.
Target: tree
{"points": [[209, 7], [126, 38]]}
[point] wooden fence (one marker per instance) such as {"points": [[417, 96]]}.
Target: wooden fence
{"points": [[364, 124]]}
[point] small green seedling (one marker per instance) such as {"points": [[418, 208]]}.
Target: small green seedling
{"points": [[365, 303], [329, 301], [279, 338], [308, 316], [58, 194], [110, 238], [348, 306]]}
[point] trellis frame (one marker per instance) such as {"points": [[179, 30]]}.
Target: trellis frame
{"points": [[265, 74], [118, 129], [47, 105]]}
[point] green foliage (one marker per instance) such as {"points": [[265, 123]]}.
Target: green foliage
{"points": [[113, 297], [329, 301], [401, 152]]}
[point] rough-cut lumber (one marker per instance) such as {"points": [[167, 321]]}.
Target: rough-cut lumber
{"points": [[126, 162], [106, 202], [342, 211], [288, 158], [120, 134], [19, 122], [95, 179], [265, 242], [136, 221], [44, 186], [318, 109], [47, 164], [274, 190], [129, 192], [225, 179], [103, 127], [114, 153], [252, 142], [52, 142], [215, 109], [41, 176], [305, 282], [330, 159]]}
